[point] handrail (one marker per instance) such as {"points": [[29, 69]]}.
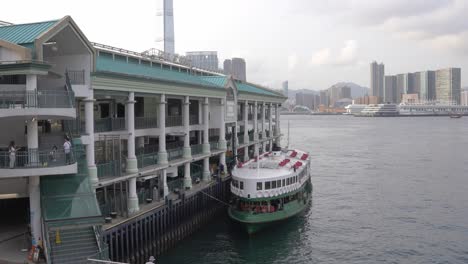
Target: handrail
{"points": [[23, 61], [36, 158], [45, 241], [98, 238]]}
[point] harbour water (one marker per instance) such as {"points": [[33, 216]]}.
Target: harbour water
{"points": [[386, 190]]}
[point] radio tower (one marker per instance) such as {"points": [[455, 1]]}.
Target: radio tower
{"points": [[168, 22]]}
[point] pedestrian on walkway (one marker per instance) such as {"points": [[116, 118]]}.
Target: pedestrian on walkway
{"points": [[67, 150]]}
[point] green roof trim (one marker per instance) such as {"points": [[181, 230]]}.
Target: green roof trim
{"points": [[107, 64], [25, 33]]}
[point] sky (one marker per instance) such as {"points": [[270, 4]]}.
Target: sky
{"points": [[311, 43]]}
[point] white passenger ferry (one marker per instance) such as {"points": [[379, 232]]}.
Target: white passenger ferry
{"points": [[273, 187]]}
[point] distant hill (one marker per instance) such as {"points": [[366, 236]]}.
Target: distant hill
{"points": [[356, 89]]}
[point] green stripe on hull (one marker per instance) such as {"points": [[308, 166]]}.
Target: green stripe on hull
{"points": [[254, 222]]}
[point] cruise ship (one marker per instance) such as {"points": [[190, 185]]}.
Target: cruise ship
{"points": [[432, 109], [354, 109], [271, 188], [379, 110]]}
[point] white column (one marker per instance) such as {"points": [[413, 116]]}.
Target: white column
{"points": [[31, 86], [263, 127], [206, 170], [187, 177], [162, 154], [256, 152], [133, 206], [277, 126], [164, 182], [206, 126], [246, 122], [35, 209], [222, 127], [132, 165], [89, 126], [222, 160], [270, 125], [33, 142], [186, 117], [255, 121], [246, 153]]}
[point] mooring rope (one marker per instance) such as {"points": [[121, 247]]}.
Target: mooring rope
{"points": [[214, 198]]}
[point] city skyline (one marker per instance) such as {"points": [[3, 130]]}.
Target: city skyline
{"points": [[399, 33]]}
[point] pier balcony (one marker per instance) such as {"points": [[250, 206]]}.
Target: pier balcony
{"points": [[34, 162], [43, 104]]}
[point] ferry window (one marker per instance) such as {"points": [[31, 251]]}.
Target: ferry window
{"points": [[259, 186], [295, 179], [287, 181], [241, 184], [267, 185], [278, 182], [284, 182], [273, 184]]}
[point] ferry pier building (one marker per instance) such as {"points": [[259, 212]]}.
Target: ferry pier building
{"points": [[147, 134]]}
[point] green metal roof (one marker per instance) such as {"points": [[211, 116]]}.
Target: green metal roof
{"points": [[216, 80], [24, 33], [249, 88], [107, 64], [241, 86]]}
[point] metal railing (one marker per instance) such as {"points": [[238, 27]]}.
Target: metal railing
{"points": [[251, 137], [240, 139], [194, 120], [35, 158], [214, 145], [111, 168], [250, 116], [173, 154], [37, 99], [172, 121], [147, 159], [197, 149], [146, 122], [260, 135], [175, 184], [109, 124], [77, 77]]}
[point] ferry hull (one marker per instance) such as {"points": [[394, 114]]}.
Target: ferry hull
{"points": [[253, 223]]}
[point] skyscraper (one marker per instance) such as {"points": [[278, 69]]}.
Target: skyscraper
{"points": [[236, 67], [204, 59], [448, 85], [390, 89], [285, 86], [377, 73], [324, 99], [227, 66], [402, 86], [427, 88], [168, 13]]}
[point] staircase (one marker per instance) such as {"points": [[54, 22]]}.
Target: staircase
{"points": [[76, 245]]}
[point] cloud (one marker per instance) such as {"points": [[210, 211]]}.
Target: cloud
{"points": [[321, 57], [347, 55], [292, 62]]}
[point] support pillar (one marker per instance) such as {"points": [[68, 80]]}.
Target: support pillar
{"points": [[246, 122], [206, 126], [270, 125], [222, 128], [35, 209], [163, 176], [89, 126], [263, 127], [186, 115], [277, 126], [132, 164], [33, 142], [133, 206], [246, 153], [187, 176], [222, 160], [256, 153], [255, 121], [206, 170], [162, 154]]}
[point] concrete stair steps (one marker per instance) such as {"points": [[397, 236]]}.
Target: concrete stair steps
{"points": [[75, 247]]}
